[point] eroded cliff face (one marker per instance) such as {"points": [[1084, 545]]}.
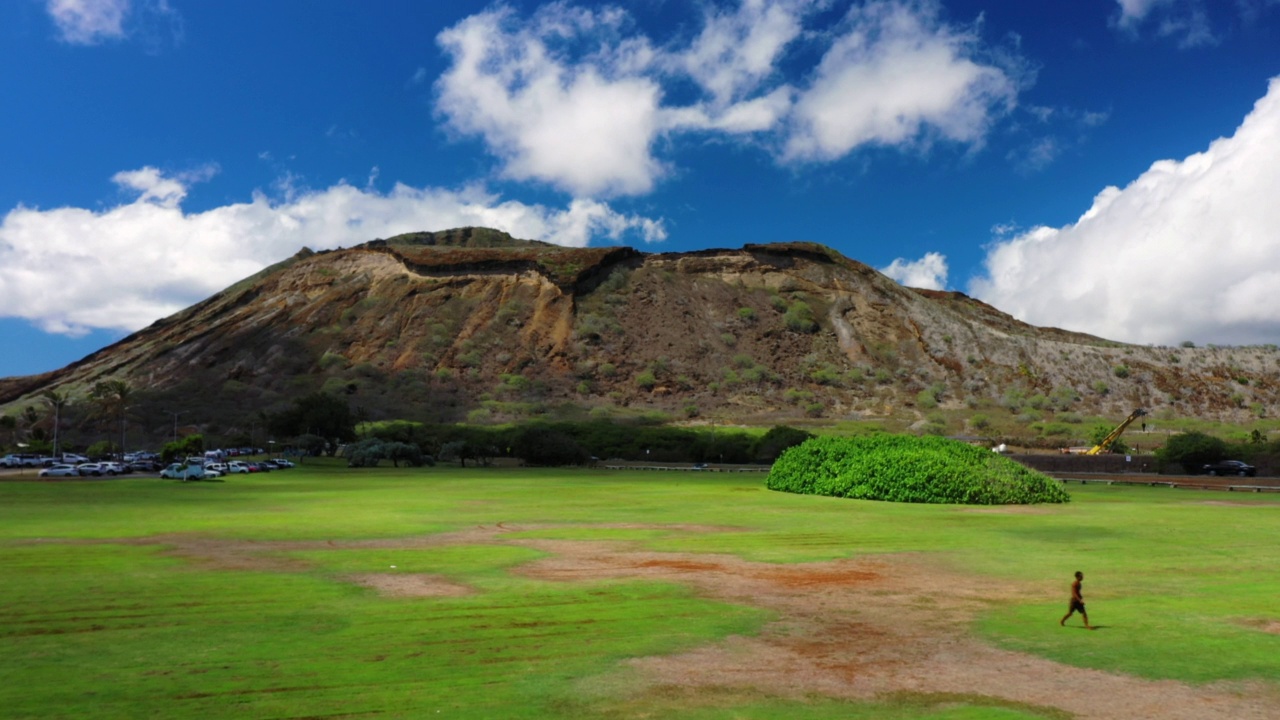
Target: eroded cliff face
{"points": [[472, 324]]}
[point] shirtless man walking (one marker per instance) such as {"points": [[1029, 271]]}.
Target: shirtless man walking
{"points": [[1077, 602]]}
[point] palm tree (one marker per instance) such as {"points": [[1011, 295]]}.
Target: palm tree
{"points": [[112, 397]]}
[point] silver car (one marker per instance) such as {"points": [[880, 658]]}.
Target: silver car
{"points": [[62, 470]]}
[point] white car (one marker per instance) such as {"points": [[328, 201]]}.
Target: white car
{"points": [[62, 470], [220, 468], [235, 466], [94, 469]]}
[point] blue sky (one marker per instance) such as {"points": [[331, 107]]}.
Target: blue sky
{"points": [[1109, 166]]}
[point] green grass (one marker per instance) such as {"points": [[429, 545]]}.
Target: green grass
{"points": [[97, 624]]}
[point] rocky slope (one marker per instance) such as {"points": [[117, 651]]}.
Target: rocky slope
{"points": [[472, 324]]}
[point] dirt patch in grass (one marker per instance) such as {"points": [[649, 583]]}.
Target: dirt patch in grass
{"points": [[876, 627], [410, 585], [1266, 625]]}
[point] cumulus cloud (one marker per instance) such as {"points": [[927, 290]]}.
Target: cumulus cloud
{"points": [[88, 22], [733, 59], [69, 270], [577, 99], [929, 272], [895, 75], [586, 128], [1188, 250]]}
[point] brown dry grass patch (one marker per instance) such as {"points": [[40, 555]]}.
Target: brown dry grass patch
{"points": [[875, 627]]}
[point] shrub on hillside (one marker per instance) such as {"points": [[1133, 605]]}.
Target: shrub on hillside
{"points": [[1191, 450], [902, 468]]}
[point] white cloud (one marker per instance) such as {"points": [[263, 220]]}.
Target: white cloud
{"points": [[72, 269], [897, 75], [1189, 250], [569, 98], [89, 22], [1036, 156], [733, 58], [1185, 20], [584, 128], [929, 272], [1134, 11]]}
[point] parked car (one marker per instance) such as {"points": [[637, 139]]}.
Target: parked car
{"points": [[61, 470], [73, 458], [1231, 467], [95, 469], [147, 466], [236, 466]]}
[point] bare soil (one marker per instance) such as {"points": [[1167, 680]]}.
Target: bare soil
{"points": [[868, 628]]}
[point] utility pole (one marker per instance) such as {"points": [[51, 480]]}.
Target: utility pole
{"points": [[175, 422], [57, 400]]}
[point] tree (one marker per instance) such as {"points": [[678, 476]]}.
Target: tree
{"points": [[779, 438], [112, 398], [10, 423], [1192, 450], [189, 445], [365, 453], [1100, 433], [320, 414], [408, 453], [545, 446], [311, 444]]}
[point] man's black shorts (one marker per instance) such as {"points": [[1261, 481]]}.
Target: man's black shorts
{"points": [[1076, 605]]}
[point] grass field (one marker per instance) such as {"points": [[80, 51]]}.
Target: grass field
{"points": [[482, 593]]}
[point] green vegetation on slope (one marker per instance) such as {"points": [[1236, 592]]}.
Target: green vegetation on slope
{"points": [[903, 468]]}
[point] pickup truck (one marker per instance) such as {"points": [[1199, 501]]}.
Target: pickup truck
{"points": [[178, 471], [21, 460]]}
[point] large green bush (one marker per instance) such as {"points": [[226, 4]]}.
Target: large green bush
{"points": [[902, 468], [1192, 450]]}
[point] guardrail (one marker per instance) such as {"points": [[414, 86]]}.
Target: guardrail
{"points": [[686, 469], [1172, 484]]}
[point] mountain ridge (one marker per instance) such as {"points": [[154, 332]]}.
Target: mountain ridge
{"points": [[473, 324]]}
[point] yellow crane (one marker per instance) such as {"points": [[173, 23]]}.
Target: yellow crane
{"points": [[1111, 437]]}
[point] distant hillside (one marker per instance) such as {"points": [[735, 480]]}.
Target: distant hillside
{"points": [[472, 324]]}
